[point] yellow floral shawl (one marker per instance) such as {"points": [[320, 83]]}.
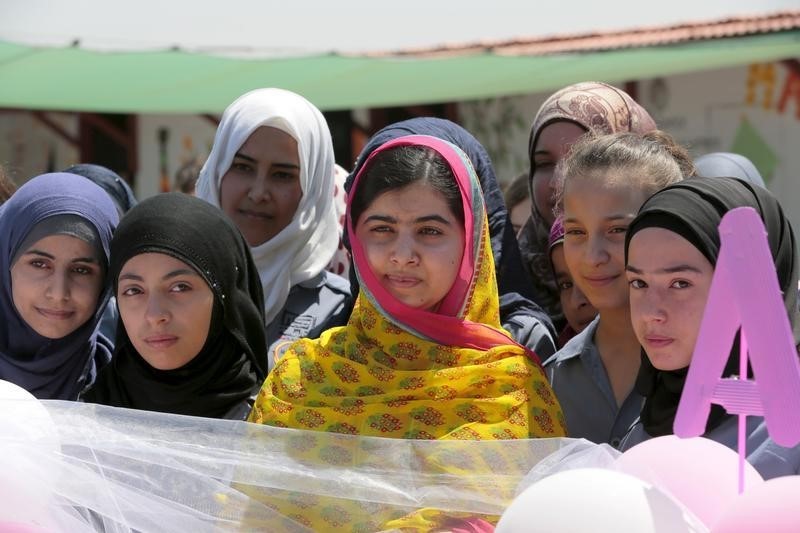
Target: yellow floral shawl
{"points": [[401, 375], [375, 377]]}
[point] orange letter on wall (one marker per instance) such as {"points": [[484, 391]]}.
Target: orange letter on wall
{"points": [[761, 74], [791, 89]]}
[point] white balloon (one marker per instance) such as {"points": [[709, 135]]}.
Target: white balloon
{"points": [[29, 448], [597, 500]]}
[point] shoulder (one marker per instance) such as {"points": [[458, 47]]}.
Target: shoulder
{"points": [[336, 283], [576, 346], [530, 332], [324, 283]]}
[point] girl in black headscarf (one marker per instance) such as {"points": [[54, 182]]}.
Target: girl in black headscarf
{"points": [[668, 294], [191, 336]]}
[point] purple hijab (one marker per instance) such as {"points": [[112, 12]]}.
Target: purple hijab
{"points": [[51, 368]]}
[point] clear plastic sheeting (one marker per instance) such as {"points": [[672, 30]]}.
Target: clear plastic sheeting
{"points": [[76, 467]]}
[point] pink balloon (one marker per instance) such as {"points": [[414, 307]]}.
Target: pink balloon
{"points": [[17, 527], [770, 506], [700, 473]]}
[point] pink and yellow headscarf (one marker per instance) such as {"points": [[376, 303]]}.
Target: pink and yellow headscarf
{"points": [[397, 371], [462, 318], [401, 372]]}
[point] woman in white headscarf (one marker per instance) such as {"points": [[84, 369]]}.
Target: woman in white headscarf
{"points": [[271, 170]]}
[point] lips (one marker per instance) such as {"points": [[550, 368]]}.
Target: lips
{"points": [[55, 314], [402, 281], [254, 214], [657, 341], [600, 281], [161, 341]]}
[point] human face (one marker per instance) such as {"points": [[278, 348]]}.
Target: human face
{"points": [[519, 214], [261, 190], [668, 295], [577, 309], [166, 309], [596, 217], [553, 144], [413, 244], [56, 285]]}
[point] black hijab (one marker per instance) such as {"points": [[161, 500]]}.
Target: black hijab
{"points": [[513, 284], [231, 365], [693, 209]]}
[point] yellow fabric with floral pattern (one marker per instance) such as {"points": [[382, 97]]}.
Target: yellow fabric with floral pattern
{"points": [[373, 377]]}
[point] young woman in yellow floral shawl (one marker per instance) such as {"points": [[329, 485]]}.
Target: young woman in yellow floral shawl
{"points": [[423, 355], [404, 366]]}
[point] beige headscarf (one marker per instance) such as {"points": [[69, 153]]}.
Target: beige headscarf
{"points": [[601, 109]]}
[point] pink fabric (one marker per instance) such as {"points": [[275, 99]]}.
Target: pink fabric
{"points": [[447, 325], [469, 525], [556, 233], [340, 263]]}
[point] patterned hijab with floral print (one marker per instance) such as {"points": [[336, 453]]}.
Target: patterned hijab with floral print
{"points": [[598, 108]]}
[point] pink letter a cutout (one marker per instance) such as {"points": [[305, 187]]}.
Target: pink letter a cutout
{"points": [[744, 293]]}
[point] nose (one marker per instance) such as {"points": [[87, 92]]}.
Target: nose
{"points": [[59, 286], [404, 251], [259, 190], [156, 312], [596, 251], [649, 306]]}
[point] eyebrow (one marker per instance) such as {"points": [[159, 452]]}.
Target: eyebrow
{"points": [[611, 218], [253, 160], [668, 270], [419, 220], [52, 257], [169, 275]]}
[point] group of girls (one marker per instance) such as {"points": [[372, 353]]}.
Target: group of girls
{"points": [[634, 239], [223, 305]]}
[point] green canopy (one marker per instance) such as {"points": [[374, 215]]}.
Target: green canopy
{"points": [[74, 79]]}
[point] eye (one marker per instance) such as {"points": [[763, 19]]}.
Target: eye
{"points": [[83, 270], [380, 229], [181, 286], [130, 291], [241, 167], [574, 232], [619, 229], [431, 231], [680, 284], [38, 263], [284, 176], [565, 285], [637, 284]]}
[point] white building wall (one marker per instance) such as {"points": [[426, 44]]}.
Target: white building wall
{"points": [[28, 148], [189, 137]]}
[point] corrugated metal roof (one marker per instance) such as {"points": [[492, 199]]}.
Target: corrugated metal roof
{"points": [[614, 40]]}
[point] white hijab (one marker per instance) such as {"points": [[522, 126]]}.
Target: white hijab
{"points": [[305, 247]]}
